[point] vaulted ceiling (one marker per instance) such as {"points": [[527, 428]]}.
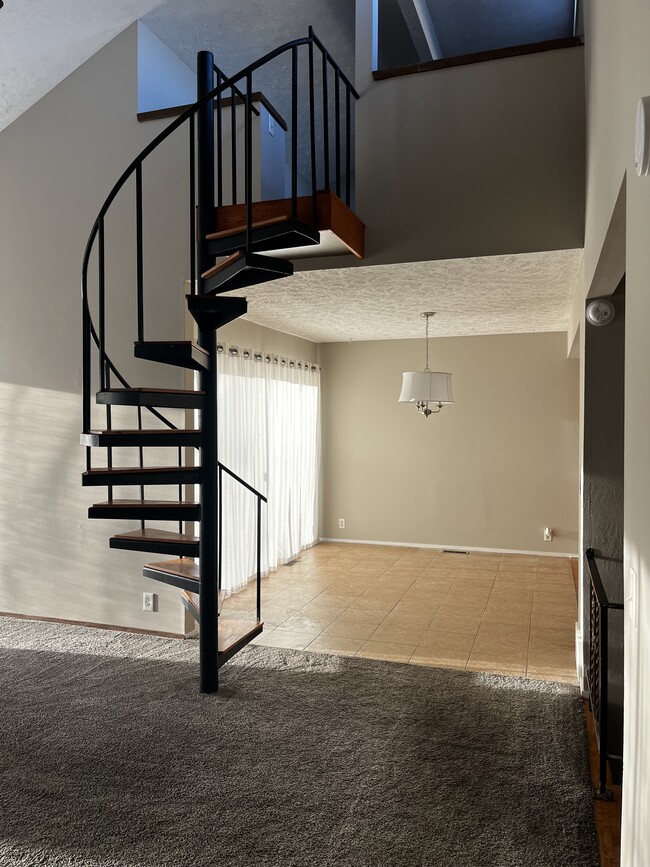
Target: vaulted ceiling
{"points": [[42, 42]]}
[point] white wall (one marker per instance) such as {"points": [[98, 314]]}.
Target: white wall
{"points": [[617, 74]]}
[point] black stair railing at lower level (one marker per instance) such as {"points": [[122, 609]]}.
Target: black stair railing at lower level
{"points": [[258, 531], [598, 668]]}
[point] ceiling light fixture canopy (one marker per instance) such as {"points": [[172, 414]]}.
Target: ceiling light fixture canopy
{"points": [[426, 387]]}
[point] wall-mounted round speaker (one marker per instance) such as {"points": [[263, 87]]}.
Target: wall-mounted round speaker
{"points": [[600, 312]]}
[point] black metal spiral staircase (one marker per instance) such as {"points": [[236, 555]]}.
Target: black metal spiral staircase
{"points": [[228, 250]]}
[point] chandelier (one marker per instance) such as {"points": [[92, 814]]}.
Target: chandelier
{"points": [[426, 387]]}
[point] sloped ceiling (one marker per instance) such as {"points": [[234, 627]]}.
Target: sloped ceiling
{"points": [[41, 42]]}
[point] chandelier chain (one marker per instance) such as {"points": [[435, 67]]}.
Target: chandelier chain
{"points": [[426, 355]]}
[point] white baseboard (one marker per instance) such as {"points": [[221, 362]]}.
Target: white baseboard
{"points": [[448, 547]]}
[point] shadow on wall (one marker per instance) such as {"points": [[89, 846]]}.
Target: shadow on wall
{"points": [[53, 561]]}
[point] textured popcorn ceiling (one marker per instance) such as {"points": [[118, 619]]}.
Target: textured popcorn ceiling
{"points": [[483, 295], [43, 41]]}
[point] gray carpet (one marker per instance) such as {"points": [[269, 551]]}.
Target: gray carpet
{"points": [[109, 756]]}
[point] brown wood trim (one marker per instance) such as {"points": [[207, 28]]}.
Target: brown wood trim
{"points": [[224, 263], [575, 572], [226, 233], [92, 625], [479, 57], [347, 227], [607, 814], [331, 213], [226, 102]]}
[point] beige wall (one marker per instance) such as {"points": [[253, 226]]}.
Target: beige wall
{"points": [[248, 335], [58, 162], [470, 161], [617, 74], [489, 472]]}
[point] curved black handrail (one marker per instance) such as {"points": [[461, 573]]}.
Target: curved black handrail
{"points": [[90, 333], [192, 115]]}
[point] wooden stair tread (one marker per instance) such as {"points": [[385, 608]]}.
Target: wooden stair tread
{"points": [[194, 601], [185, 567], [235, 632], [150, 391], [148, 431], [150, 504], [145, 437], [334, 218], [136, 471], [235, 230], [181, 398], [153, 541], [166, 343], [149, 534], [220, 266], [177, 353]]}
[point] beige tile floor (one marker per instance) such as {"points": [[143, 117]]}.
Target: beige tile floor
{"points": [[510, 614]]}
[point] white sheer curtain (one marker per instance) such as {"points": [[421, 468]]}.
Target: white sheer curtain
{"points": [[269, 434]]}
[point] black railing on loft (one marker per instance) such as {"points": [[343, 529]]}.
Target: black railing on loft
{"points": [[207, 167], [598, 667], [338, 104], [258, 532]]}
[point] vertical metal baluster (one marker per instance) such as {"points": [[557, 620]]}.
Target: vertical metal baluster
{"points": [[219, 142], [141, 460], [337, 127], [180, 486], [312, 136], [192, 208], [109, 426], [259, 559], [220, 528], [87, 358], [248, 167], [139, 250], [102, 307], [348, 147], [233, 143], [326, 126], [604, 696], [294, 133]]}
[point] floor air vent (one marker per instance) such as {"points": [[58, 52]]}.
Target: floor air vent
{"points": [[452, 551]]}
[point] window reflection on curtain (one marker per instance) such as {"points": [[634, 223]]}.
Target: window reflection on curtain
{"points": [[269, 434]]}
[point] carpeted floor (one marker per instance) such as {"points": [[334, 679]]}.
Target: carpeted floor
{"points": [[109, 757]]}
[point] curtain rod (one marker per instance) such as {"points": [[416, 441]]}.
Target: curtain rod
{"points": [[235, 351]]}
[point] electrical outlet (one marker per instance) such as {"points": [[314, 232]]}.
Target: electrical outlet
{"points": [[548, 534], [341, 523], [149, 602], [271, 125]]}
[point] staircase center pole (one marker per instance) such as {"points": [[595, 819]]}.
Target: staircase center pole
{"points": [[209, 630]]}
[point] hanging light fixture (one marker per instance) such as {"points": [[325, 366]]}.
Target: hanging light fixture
{"points": [[427, 386]]}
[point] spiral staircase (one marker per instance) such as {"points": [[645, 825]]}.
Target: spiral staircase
{"points": [[231, 246]]}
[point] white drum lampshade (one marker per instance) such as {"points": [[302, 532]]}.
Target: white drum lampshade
{"points": [[426, 386]]}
